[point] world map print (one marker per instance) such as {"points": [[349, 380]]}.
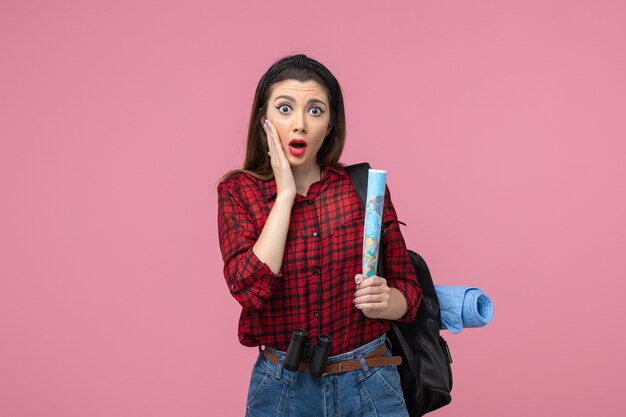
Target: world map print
{"points": [[373, 220]]}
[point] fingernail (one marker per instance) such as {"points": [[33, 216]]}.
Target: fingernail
{"points": [[358, 279], [358, 306]]}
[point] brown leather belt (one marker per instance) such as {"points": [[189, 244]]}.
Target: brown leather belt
{"points": [[373, 359]]}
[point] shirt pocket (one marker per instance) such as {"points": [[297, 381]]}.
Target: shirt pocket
{"points": [[347, 247]]}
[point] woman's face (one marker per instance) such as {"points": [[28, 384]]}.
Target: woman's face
{"points": [[300, 111]]}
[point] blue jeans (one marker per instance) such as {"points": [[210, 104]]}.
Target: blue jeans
{"points": [[275, 391]]}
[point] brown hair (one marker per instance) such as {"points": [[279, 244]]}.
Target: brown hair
{"points": [[300, 68]]}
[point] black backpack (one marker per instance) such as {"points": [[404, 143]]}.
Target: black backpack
{"points": [[425, 372]]}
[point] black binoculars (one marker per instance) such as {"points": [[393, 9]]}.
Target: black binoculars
{"points": [[300, 350]]}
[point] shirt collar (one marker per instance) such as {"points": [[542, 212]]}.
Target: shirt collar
{"points": [[269, 187]]}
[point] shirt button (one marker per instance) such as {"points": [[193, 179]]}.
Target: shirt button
{"points": [[316, 271], [310, 201], [232, 287], [315, 234], [316, 314]]}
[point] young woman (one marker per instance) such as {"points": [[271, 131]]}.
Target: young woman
{"points": [[291, 235]]}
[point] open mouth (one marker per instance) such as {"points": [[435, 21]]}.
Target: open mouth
{"points": [[297, 146]]}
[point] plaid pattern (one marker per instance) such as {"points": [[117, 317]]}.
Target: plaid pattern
{"points": [[315, 287]]}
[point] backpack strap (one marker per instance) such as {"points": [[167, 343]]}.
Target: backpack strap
{"points": [[358, 175]]}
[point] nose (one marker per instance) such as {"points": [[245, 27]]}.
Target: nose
{"points": [[299, 122]]}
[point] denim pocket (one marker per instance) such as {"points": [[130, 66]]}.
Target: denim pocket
{"points": [[388, 378], [267, 394], [381, 390]]}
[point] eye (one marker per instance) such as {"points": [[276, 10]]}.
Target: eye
{"points": [[316, 111], [284, 108]]}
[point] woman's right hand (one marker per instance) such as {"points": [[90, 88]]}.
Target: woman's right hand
{"points": [[270, 246], [285, 184]]}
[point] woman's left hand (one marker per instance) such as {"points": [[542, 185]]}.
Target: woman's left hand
{"points": [[372, 295]]}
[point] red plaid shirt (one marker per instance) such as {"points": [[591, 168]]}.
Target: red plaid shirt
{"points": [[315, 287]]}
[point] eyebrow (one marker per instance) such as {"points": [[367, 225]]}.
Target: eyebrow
{"points": [[311, 100]]}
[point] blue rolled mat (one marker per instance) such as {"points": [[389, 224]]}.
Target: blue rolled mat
{"points": [[463, 307]]}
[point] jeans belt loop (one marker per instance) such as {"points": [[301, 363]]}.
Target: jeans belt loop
{"points": [[366, 368]]}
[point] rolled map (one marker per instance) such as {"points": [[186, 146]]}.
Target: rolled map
{"points": [[376, 180]]}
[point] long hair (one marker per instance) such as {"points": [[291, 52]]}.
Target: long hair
{"points": [[300, 68]]}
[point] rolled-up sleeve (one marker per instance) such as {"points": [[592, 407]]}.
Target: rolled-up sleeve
{"points": [[398, 269], [249, 280]]}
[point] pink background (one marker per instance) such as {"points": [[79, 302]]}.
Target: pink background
{"points": [[501, 125]]}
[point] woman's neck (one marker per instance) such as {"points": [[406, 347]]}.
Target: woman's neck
{"points": [[305, 177]]}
